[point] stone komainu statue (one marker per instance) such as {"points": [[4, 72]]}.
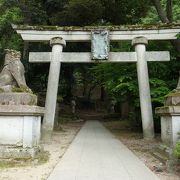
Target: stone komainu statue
{"points": [[12, 74]]}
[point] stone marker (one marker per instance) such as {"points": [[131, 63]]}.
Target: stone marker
{"points": [[112, 106], [20, 117]]}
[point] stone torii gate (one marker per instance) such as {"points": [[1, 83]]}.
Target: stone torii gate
{"points": [[58, 36]]}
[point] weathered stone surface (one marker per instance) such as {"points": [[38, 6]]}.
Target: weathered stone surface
{"points": [[19, 110], [168, 110], [53, 81], [173, 98], [86, 57], [18, 152], [18, 99], [20, 131], [117, 33], [100, 45], [144, 88], [170, 124], [57, 40], [12, 74], [172, 101], [139, 40]]}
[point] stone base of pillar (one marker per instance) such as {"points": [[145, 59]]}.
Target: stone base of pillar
{"points": [[170, 124], [20, 130], [46, 135], [18, 152], [148, 134], [18, 99]]}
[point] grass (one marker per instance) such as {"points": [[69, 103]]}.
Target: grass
{"points": [[40, 158]]}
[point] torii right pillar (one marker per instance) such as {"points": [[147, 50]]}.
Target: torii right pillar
{"points": [[144, 88]]}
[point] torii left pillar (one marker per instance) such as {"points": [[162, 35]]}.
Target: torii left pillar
{"points": [[57, 44]]}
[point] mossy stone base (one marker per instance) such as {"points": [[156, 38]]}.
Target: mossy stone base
{"points": [[18, 152], [18, 99]]}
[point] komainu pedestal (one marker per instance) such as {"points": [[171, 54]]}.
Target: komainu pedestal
{"points": [[20, 117]]}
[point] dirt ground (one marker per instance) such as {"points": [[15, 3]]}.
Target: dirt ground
{"points": [[32, 170], [142, 148]]}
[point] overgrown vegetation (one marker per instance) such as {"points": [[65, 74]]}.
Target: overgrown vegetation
{"points": [[177, 149], [40, 158]]}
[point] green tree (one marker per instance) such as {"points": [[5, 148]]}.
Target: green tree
{"points": [[165, 11], [8, 38]]}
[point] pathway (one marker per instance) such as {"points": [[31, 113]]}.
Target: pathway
{"points": [[95, 154]]}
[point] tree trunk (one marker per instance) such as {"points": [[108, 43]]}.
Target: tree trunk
{"points": [[90, 91], [160, 11], [167, 18], [169, 6]]}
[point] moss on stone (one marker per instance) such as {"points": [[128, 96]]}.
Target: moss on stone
{"points": [[90, 28], [173, 93], [39, 159], [1, 90], [59, 99], [32, 102], [22, 89]]}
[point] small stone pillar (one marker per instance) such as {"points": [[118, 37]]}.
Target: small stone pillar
{"points": [[73, 106], [144, 88], [57, 44], [170, 119], [112, 106]]}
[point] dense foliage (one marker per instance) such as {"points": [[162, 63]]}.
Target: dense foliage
{"points": [[177, 149]]}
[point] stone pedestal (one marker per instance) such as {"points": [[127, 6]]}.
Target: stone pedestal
{"points": [[20, 127], [18, 99], [170, 124]]}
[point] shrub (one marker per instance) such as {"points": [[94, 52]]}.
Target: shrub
{"points": [[177, 149]]}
